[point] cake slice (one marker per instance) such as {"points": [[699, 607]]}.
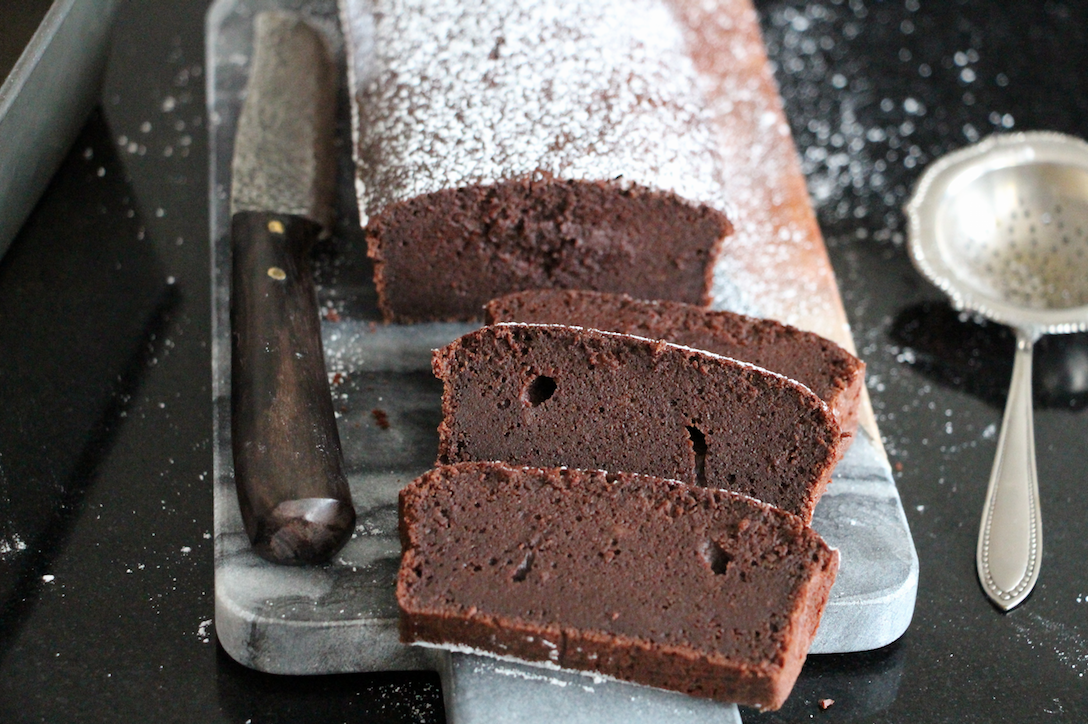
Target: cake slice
{"points": [[652, 581], [835, 375], [551, 395]]}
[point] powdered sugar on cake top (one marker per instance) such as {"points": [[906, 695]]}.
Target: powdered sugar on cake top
{"points": [[454, 94]]}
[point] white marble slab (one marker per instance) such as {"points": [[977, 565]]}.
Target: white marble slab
{"points": [[342, 617]]}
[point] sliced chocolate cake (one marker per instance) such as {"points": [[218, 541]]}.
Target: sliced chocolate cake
{"points": [[516, 144], [550, 395], [835, 375], [652, 581]]}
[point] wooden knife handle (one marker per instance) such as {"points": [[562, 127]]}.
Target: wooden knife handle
{"points": [[288, 466]]}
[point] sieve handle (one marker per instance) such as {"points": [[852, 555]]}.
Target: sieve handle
{"points": [[1010, 541]]}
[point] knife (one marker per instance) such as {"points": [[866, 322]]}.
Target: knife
{"points": [[288, 465]]}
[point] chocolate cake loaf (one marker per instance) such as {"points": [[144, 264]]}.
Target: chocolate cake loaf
{"points": [[652, 581], [551, 395], [513, 144], [835, 375]]}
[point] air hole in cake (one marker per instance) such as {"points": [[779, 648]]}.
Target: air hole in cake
{"points": [[698, 444], [538, 391], [524, 567], [718, 558]]}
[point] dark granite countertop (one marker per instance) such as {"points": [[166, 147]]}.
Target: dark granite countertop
{"points": [[106, 600]]}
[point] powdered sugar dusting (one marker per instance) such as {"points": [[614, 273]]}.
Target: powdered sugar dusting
{"points": [[11, 544], [536, 664], [521, 674], [861, 145], [1066, 643], [202, 631], [776, 255], [457, 94]]}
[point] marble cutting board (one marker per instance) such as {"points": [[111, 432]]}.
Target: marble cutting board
{"points": [[342, 617]]}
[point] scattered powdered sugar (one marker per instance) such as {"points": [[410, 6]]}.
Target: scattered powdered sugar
{"points": [[202, 631], [172, 134], [1067, 643], [522, 674], [11, 544], [861, 147]]}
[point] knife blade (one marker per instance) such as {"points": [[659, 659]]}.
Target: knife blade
{"points": [[288, 465]]}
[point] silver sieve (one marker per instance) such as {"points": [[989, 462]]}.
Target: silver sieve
{"points": [[1002, 228]]}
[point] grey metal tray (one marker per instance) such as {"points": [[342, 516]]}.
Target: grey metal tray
{"points": [[342, 617], [45, 99]]}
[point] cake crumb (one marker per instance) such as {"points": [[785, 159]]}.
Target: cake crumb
{"points": [[825, 704], [380, 417]]}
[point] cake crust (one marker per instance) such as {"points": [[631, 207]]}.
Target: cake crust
{"points": [[642, 579]]}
